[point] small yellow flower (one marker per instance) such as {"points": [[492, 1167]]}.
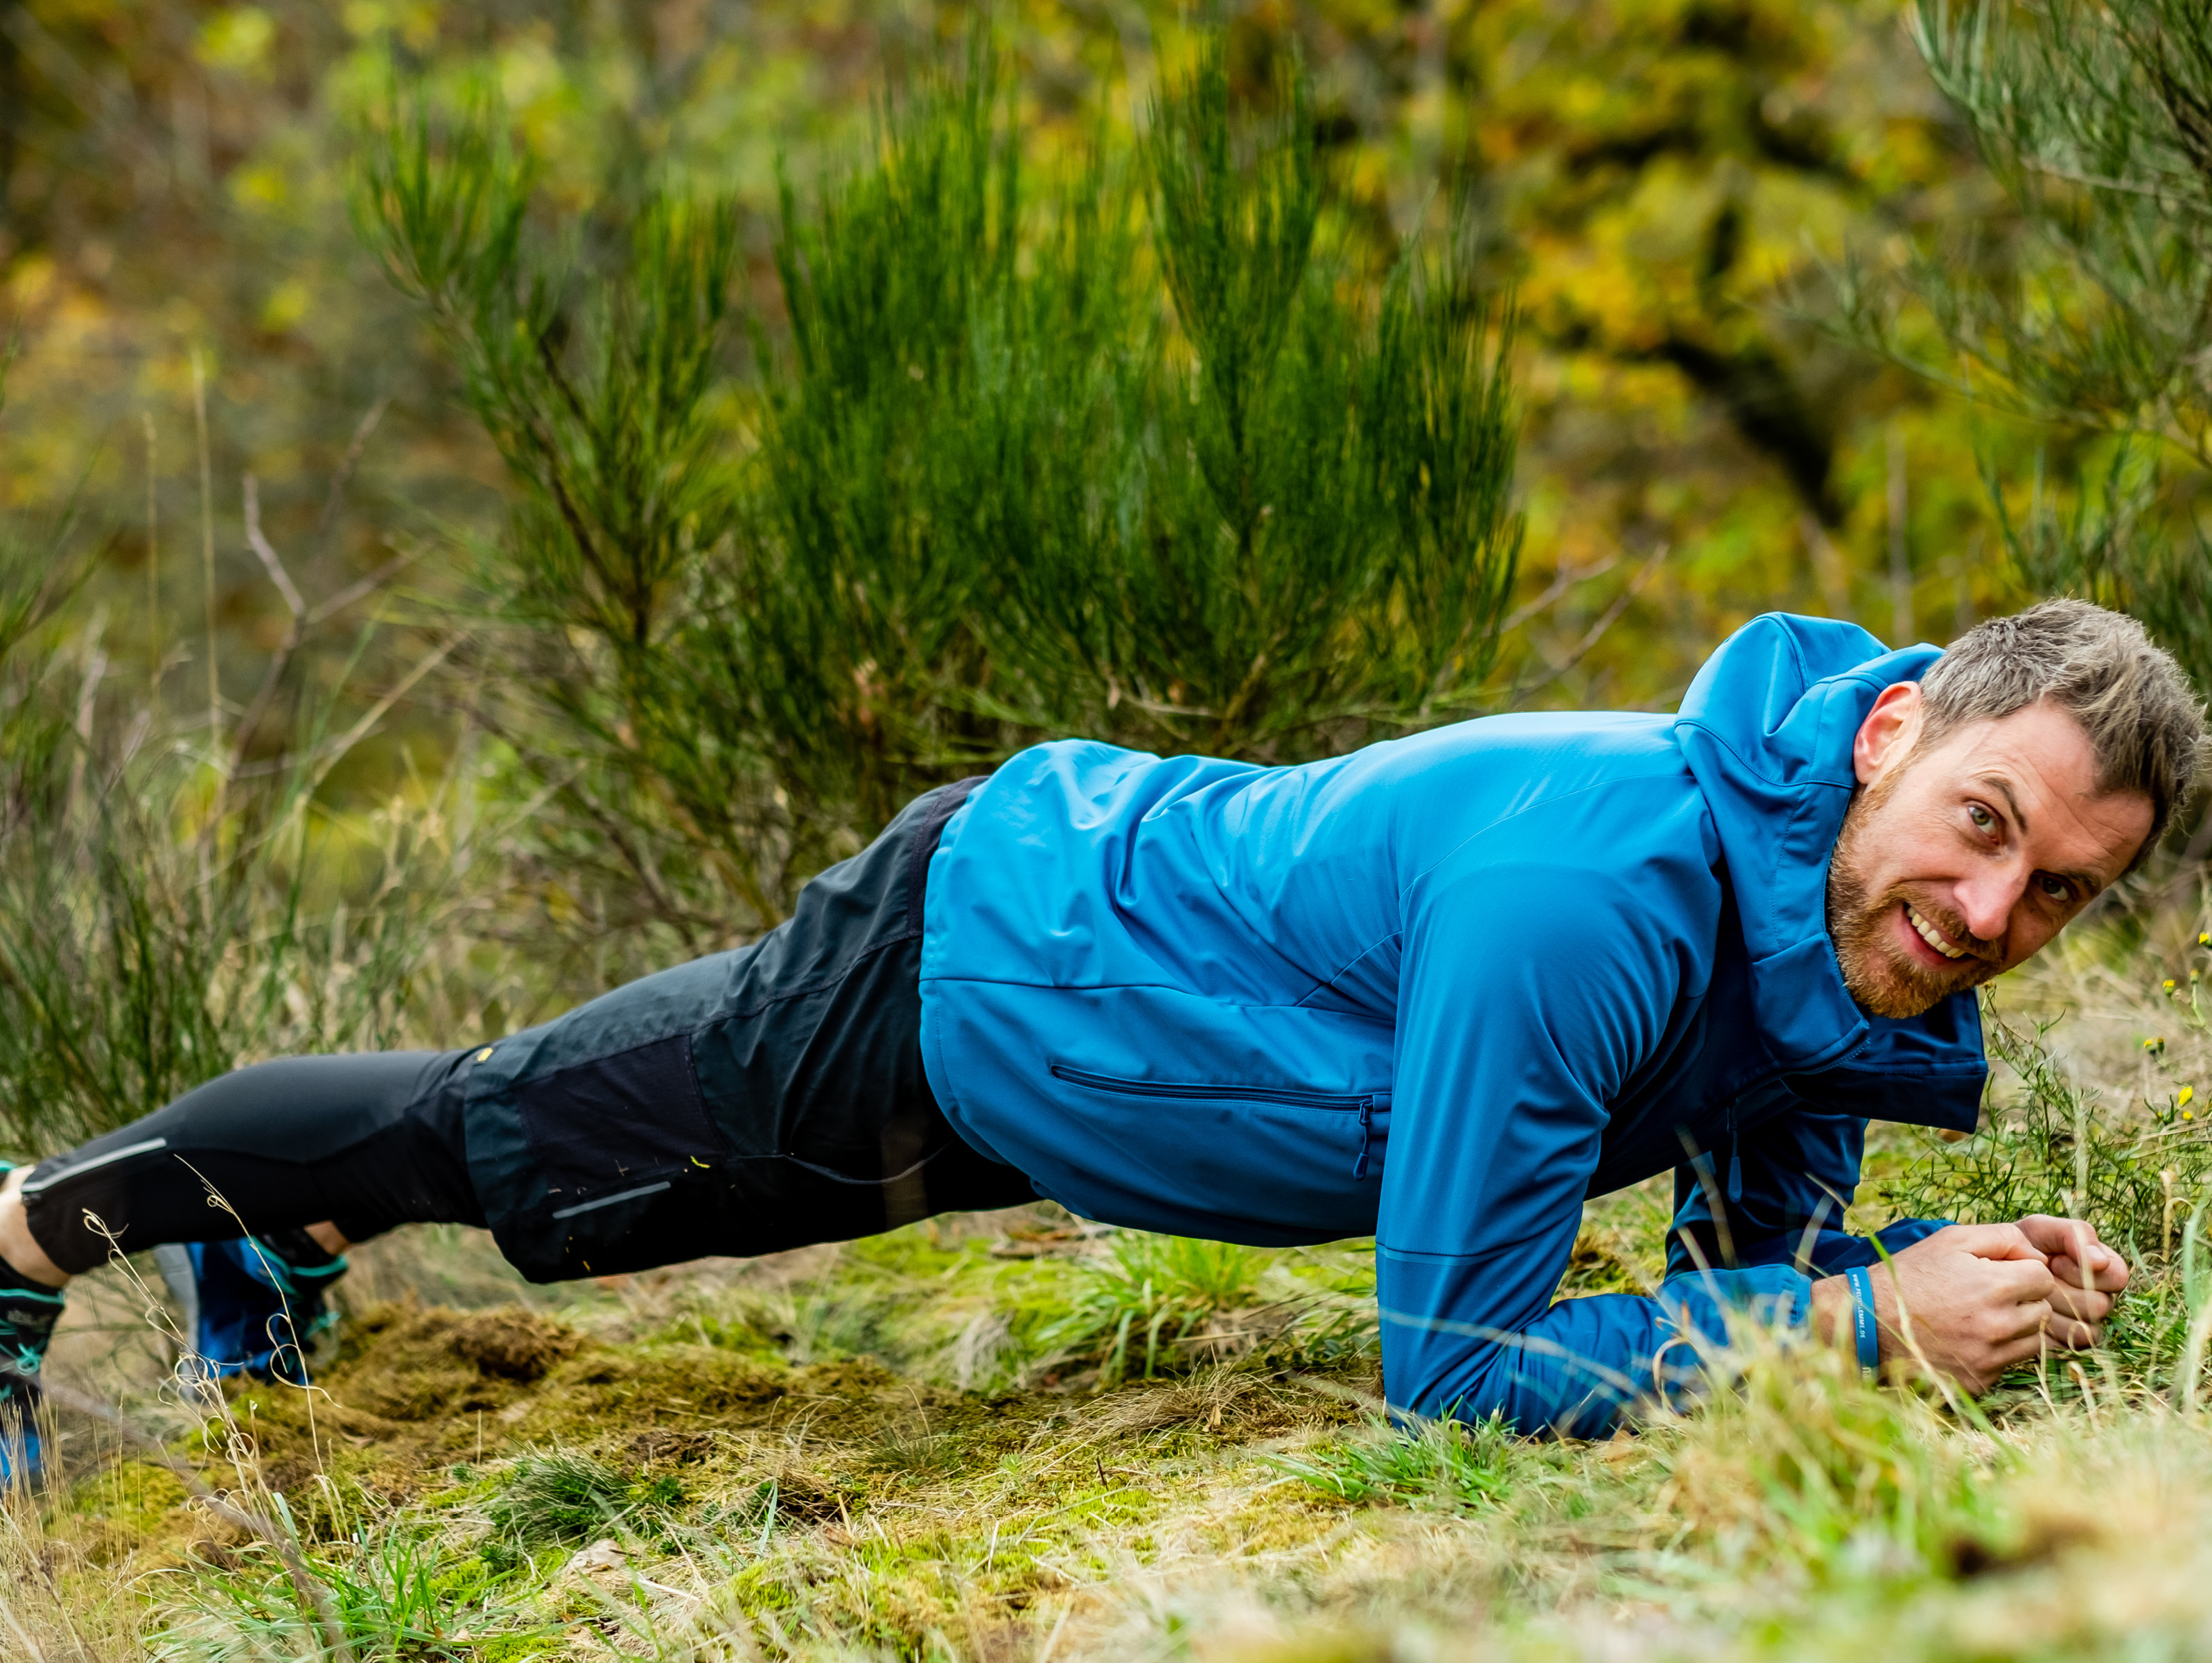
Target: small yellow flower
{"points": [[2186, 1115], [2204, 938], [2168, 984], [2188, 1096], [2155, 1045]]}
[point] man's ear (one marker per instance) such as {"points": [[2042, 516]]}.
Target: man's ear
{"points": [[1886, 735]]}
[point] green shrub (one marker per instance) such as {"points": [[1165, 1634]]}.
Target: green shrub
{"points": [[2049, 1145], [1153, 1304], [2088, 305], [1128, 453]]}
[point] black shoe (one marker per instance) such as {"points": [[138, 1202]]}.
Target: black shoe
{"points": [[28, 1311]]}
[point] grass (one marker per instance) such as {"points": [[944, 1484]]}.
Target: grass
{"points": [[1017, 1438], [1235, 1513]]}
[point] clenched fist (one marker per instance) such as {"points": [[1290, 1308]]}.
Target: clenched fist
{"points": [[1975, 1299]]}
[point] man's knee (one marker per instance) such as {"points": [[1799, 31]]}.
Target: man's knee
{"points": [[303, 1109]]}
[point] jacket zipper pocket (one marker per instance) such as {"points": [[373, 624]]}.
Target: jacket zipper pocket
{"points": [[1362, 1105]]}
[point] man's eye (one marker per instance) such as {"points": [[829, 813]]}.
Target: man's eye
{"points": [[1983, 819], [2057, 889]]}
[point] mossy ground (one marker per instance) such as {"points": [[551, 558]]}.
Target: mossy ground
{"points": [[693, 1464], [944, 1443], [801, 1420]]}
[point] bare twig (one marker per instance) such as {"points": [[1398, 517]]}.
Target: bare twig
{"points": [[377, 711], [361, 586], [271, 563], [304, 618], [1558, 585], [343, 474], [294, 632], [95, 669], [1596, 632]]}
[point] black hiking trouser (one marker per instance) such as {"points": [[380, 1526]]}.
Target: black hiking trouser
{"points": [[748, 1102]]}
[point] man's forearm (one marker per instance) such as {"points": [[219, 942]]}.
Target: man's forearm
{"points": [[1583, 1365], [1834, 1320]]}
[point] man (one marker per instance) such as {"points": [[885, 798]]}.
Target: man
{"points": [[1438, 991]]}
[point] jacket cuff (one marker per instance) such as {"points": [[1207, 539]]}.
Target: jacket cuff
{"points": [[1705, 1302], [1860, 1251]]}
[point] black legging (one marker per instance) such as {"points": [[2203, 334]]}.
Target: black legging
{"points": [[748, 1102], [368, 1142]]}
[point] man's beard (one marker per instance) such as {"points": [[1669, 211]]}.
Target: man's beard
{"points": [[1882, 975]]}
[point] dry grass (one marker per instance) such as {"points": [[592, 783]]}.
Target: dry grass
{"points": [[911, 1448]]}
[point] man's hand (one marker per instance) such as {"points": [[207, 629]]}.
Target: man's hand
{"points": [[1976, 1299], [2087, 1275]]}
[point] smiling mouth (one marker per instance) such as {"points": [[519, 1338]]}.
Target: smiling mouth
{"points": [[1928, 933]]}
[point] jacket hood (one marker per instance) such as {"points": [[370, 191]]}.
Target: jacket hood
{"points": [[1766, 729]]}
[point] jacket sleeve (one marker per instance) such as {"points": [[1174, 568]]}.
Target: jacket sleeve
{"points": [[1530, 993], [1775, 1194]]}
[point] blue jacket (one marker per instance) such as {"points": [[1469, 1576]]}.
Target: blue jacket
{"points": [[1440, 991]]}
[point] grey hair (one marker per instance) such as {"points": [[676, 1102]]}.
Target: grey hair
{"points": [[2143, 721]]}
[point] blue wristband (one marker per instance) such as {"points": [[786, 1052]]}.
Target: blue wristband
{"points": [[1862, 1322]]}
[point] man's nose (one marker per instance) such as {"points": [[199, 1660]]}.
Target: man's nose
{"points": [[1986, 900]]}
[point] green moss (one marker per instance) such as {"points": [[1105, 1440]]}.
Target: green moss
{"points": [[464, 1578], [763, 1587], [853, 1506], [127, 1510], [475, 1488], [514, 1648]]}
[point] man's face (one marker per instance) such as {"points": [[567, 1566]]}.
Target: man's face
{"points": [[1961, 860]]}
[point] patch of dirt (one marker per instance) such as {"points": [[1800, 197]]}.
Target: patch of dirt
{"points": [[657, 1445], [512, 1343], [1226, 1401], [803, 1498], [1602, 1263], [404, 1364], [415, 1389]]}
